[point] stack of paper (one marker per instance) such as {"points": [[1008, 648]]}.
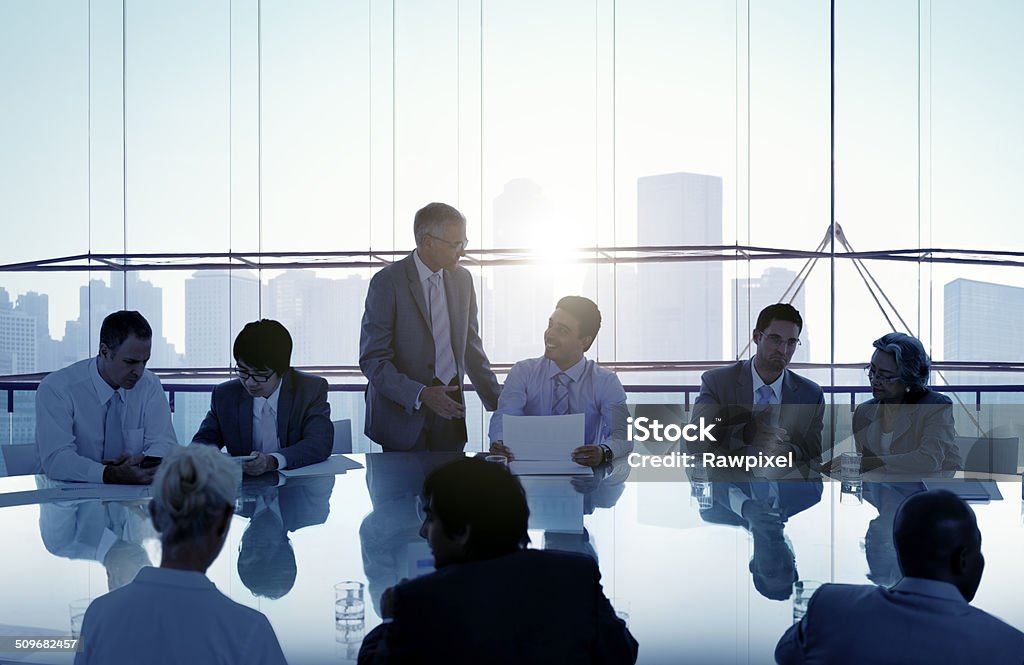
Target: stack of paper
{"points": [[543, 445]]}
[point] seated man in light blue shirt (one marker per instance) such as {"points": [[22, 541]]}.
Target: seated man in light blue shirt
{"points": [[926, 617], [562, 381], [97, 418]]}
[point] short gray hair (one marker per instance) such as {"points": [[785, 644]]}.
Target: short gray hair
{"points": [[190, 490], [432, 218], [912, 362]]}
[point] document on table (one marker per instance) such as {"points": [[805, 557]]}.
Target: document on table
{"points": [[543, 445], [332, 466]]}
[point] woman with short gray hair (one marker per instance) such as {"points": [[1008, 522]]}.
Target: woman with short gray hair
{"points": [[174, 613], [905, 427]]}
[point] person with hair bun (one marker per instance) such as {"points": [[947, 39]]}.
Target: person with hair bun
{"points": [[905, 427], [174, 613]]}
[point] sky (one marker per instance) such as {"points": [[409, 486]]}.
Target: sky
{"points": [[325, 125]]}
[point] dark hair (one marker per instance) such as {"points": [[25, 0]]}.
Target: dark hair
{"points": [[483, 497], [586, 312], [266, 561], [433, 217], [912, 361], [779, 312], [264, 344], [118, 326], [929, 528]]}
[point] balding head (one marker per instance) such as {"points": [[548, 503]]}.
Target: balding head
{"points": [[937, 537]]}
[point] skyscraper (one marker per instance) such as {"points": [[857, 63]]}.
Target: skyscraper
{"points": [[983, 321], [679, 304], [753, 295]]}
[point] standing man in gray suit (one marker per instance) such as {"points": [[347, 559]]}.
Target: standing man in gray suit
{"points": [[419, 336], [758, 405]]}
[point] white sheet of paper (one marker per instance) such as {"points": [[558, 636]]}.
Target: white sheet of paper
{"points": [[555, 505], [549, 438], [331, 466], [535, 467]]}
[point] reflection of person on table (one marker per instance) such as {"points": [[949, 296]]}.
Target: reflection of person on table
{"points": [[923, 619], [562, 381], [905, 427], [491, 600], [97, 418], [111, 533], [266, 560], [174, 614], [271, 409], [763, 508]]}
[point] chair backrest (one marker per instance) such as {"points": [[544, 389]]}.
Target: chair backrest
{"points": [[342, 436], [989, 455], [21, 460]]}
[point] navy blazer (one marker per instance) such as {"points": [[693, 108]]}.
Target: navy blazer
{"points": [[915, 622], [396, 350], [923, 436], [728, 393], [304, 426], [526, 607]]}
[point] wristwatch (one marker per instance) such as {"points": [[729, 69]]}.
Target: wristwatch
{"points": [[607, 454]]}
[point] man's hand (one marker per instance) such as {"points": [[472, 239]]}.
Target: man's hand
{"points": [[260, 465], [436, 399], [499, 448], [588, 455], [766, 437], [125, 470]]}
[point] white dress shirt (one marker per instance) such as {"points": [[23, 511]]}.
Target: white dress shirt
{"points": [[175, 616], [272, 447], [71, 405]]}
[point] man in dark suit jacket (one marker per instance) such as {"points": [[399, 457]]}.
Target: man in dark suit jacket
{"points": [[491, 600], [764, 407], [419, 336], [926, 617], [277, 412]]}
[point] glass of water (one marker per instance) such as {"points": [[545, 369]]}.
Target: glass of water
{"points": [[348, 602], [802, 592]]}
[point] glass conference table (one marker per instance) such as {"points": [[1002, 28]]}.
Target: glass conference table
{"points": [[695, 584]]}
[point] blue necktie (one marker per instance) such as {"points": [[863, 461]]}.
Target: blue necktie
{"points": [[560, 398], [113, 433]]}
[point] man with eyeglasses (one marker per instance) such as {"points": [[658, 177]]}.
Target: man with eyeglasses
{"points": [[271, 410], [758, 405], [420, 335]]}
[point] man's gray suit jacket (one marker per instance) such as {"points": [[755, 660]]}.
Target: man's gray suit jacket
{"points": [[304, 427], [728, 393], [396, 350]]}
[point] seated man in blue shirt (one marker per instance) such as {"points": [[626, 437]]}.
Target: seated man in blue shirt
{"points": [[97, 418], [562, 381], [926, 617], [272, 410]]}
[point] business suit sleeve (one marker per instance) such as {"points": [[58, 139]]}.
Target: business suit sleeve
{"points": [[317, 437], [478, 367], [613, 643], [55, 439], [790, 649], [376, 345], [709, 406], [812, 440], [210, 429]]}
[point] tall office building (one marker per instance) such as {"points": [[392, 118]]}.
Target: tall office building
{"points": [[750, 296], [17, 338], [983, 321], [37, 305], [679, 304], [322, 315]]}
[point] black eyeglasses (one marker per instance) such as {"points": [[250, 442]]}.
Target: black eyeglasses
{"points": [[258, 378], [881, 379], [457, 246]]}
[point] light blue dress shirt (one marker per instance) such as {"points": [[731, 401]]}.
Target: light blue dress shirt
{"points": [[593, 391]]}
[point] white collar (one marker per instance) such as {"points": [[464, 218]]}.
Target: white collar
{"points": [[574, 372], [775, 385], [257, 402], [103, 390], [422, 270]]}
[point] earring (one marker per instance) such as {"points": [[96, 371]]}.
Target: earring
{"points": [[906, 390]]}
